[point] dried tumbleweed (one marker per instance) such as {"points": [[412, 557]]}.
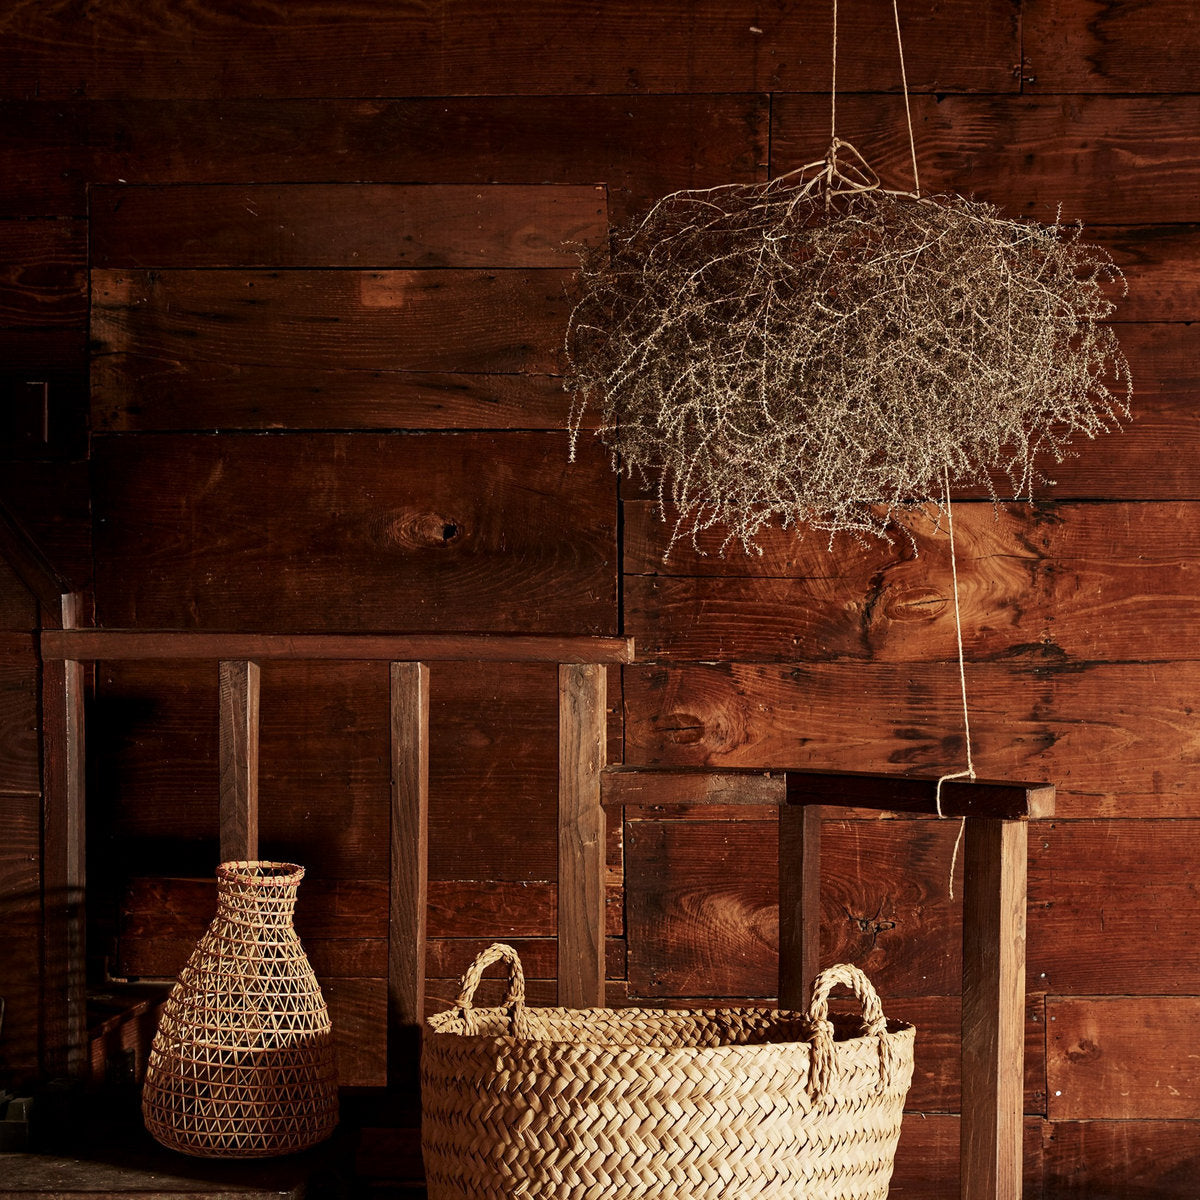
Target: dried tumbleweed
{"points": [[765, 351]]}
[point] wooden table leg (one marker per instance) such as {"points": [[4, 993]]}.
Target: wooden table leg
{"points": [[238, 757], [408, 871], [993, 1008], [799, 902], [582, 732]]}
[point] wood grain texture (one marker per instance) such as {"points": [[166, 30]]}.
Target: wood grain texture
{"points": [[1097, 582], [64, 860], [408, 869], [1122, 1058], [1099, 885], [1034, 721], [238, 688], [799, 904], [457, 46], [993, 1008], [20, 766], [582, 729], [1084, 46], [462, 533], [1132, 159], [43, 276], [20, 930], [340, 225], [1159, 262], [454, 320], [134, 645], [55, 149], [1121, 1160], [131, 394]]}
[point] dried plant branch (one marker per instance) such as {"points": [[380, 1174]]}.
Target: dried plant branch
{"points": [[779, 351]]}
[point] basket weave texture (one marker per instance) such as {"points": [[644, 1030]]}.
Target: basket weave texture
{"points": [[629, 1103], [242, 1063]]}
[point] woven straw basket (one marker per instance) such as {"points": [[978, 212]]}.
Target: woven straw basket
{"points": [[242, 1063], [617, 1104]]}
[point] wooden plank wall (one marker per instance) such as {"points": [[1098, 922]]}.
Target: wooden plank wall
{"points": [[323, 252]]}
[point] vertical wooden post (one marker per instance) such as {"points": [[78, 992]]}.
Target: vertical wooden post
{"points": [[408, 870], [993, 1012], [799, 902], [64, 867], [581, 868], [238, 757]]}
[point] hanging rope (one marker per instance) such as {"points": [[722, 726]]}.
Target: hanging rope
{"points": [[969, 773]]}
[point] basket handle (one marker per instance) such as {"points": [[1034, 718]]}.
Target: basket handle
{"points": [[514, 1001], [874, 1024]]}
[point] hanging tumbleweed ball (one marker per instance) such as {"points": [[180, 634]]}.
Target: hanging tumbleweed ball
{"points": [[763, 352]]}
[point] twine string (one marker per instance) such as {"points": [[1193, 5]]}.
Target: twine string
{"points": [[969, 773], [832, 170]]}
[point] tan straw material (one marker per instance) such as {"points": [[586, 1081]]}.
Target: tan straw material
{"points": [[242, 1064], [613, 1104]]}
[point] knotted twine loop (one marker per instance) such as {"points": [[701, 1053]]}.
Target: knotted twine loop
{"points": [[514, 1000], [874, 1024]]}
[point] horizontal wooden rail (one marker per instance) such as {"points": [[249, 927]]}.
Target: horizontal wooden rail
{"points": [[1006, 801], [94, 645]]}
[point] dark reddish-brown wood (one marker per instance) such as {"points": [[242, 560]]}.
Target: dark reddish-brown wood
{"points": [[1012, 154], [682, 141], [1031, 721], [1122, 1057], [1123, 1160], [131, 393], [131, 645], [470, 532], [1159, 263], [408, 872], [799, 903], [238, 687], [20, 929], [343, 225], [1079, 46], [1092, 581], [488, 49], [64, 841], [582, 700], [453, 320], [1104, 900], [43, 273], [993, 1008]]}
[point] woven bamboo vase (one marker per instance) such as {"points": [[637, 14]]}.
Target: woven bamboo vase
{"points": [[242, 1063]]}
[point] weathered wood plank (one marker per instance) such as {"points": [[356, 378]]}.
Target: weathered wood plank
{"points": [[64, 860], [472, 532], [702, 914], [362, 225], [1133, 159], [1122, 1057], [1160, 266], [20, 766], [993, 1008], [799, 904], [1100, 732], [408, 869], [358, 1013], [1081, 46], [133, 645], [43, 276], [20, 929], [133, 393], [454, 320], [1101, 582], [237, 749], [582, 701], [53, 150], [1105, 899], [458, 46], [1121, 1160]]}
